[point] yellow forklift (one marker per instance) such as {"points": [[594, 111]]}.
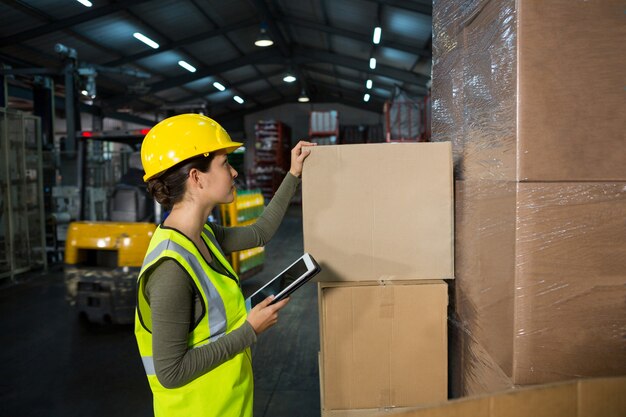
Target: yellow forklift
{"points": [[103, 258]]}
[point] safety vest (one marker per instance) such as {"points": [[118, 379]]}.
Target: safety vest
{"points": [[227, 390]]}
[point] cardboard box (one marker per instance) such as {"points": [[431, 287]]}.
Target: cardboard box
{"points": [[541, 282], [522, 106], [578, 398], [379, 211], [382, 345]]}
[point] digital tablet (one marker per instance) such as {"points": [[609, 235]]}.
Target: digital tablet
{"points": [[285, 283]]}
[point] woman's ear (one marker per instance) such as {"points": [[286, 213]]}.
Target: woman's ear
{"points": [[194, 177]]}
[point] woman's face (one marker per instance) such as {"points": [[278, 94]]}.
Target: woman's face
{"points": [[221, 179]]}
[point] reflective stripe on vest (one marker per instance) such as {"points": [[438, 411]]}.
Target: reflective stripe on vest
{"points": [[217, 312]]}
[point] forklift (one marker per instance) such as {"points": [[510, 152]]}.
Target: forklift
{"points": [[103, 258]]}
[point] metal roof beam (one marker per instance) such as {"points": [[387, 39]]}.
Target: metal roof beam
{"points": [[250, 59], [305, 55], [345, 77], [208, 93], [65, 23], [333, 87], [229, 116], [413, 6], [354, 35], [183, 42]]}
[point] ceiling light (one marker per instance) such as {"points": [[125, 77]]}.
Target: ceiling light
{"points": [[289, 78], [303, 97], [219, 86], [187, 66], [85, 3], [143, 38], [368, 84], [238, 99], [377, 33], [372, 63], [366, 97], [263, 39]]}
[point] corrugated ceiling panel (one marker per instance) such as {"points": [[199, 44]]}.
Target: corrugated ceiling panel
{"points": [[254, 87], [175, 18], [355, 15], [315, 76], [172, 94], [405, 26], [395, 58], [116, 31], [352, 48], [227, 12], [311, 9], [166, 63], [347, 72], [13, 21], [239, 74], [213, 51], [58, 9], [244, 39], [203, 84], [309, 37]]}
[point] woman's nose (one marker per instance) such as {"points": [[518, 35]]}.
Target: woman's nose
{"points": [[233, 172]]}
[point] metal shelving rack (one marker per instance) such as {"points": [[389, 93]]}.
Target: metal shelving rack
{"points": [[324, 127], [271, 156], [22, 222]]}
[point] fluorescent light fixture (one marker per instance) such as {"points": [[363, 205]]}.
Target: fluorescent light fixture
{"points": [[143, 38], [238, 99], [368, 84], [289, 78], [86, 3], [373, 63], [219, 86], [187, 66], [377, 33], [366, 97]]}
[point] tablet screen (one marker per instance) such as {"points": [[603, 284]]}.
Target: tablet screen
{"points": [[281, 282]]}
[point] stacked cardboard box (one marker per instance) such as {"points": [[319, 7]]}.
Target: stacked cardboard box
{"points": [[531, 96], [579, 398], [379, 218]]}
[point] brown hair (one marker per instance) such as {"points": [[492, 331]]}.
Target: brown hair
{"points": [[169, 187]]}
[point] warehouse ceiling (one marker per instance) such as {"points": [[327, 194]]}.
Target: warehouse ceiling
{"points": [[326, 44]]}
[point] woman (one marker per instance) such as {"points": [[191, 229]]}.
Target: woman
{"points": [[191, 323]]}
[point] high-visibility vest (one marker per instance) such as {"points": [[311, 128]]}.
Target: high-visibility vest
{"points": [[226, 390]]}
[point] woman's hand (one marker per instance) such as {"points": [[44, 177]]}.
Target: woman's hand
{"points": [[298, 155], [263, 316]]}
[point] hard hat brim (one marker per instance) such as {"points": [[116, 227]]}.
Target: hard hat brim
{"points": [[233, 146]]}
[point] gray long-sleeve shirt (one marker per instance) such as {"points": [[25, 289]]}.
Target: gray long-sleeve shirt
{"points": [[176, 306]]}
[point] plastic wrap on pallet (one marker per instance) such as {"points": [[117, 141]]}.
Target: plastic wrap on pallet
{"points": [[540, 283], [473, 90], [520, 105]]}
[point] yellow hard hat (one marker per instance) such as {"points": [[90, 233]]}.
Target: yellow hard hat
{"points": [[181, 137]]}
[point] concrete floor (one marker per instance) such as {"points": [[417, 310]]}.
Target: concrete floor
{"points": [[52, 364]]}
